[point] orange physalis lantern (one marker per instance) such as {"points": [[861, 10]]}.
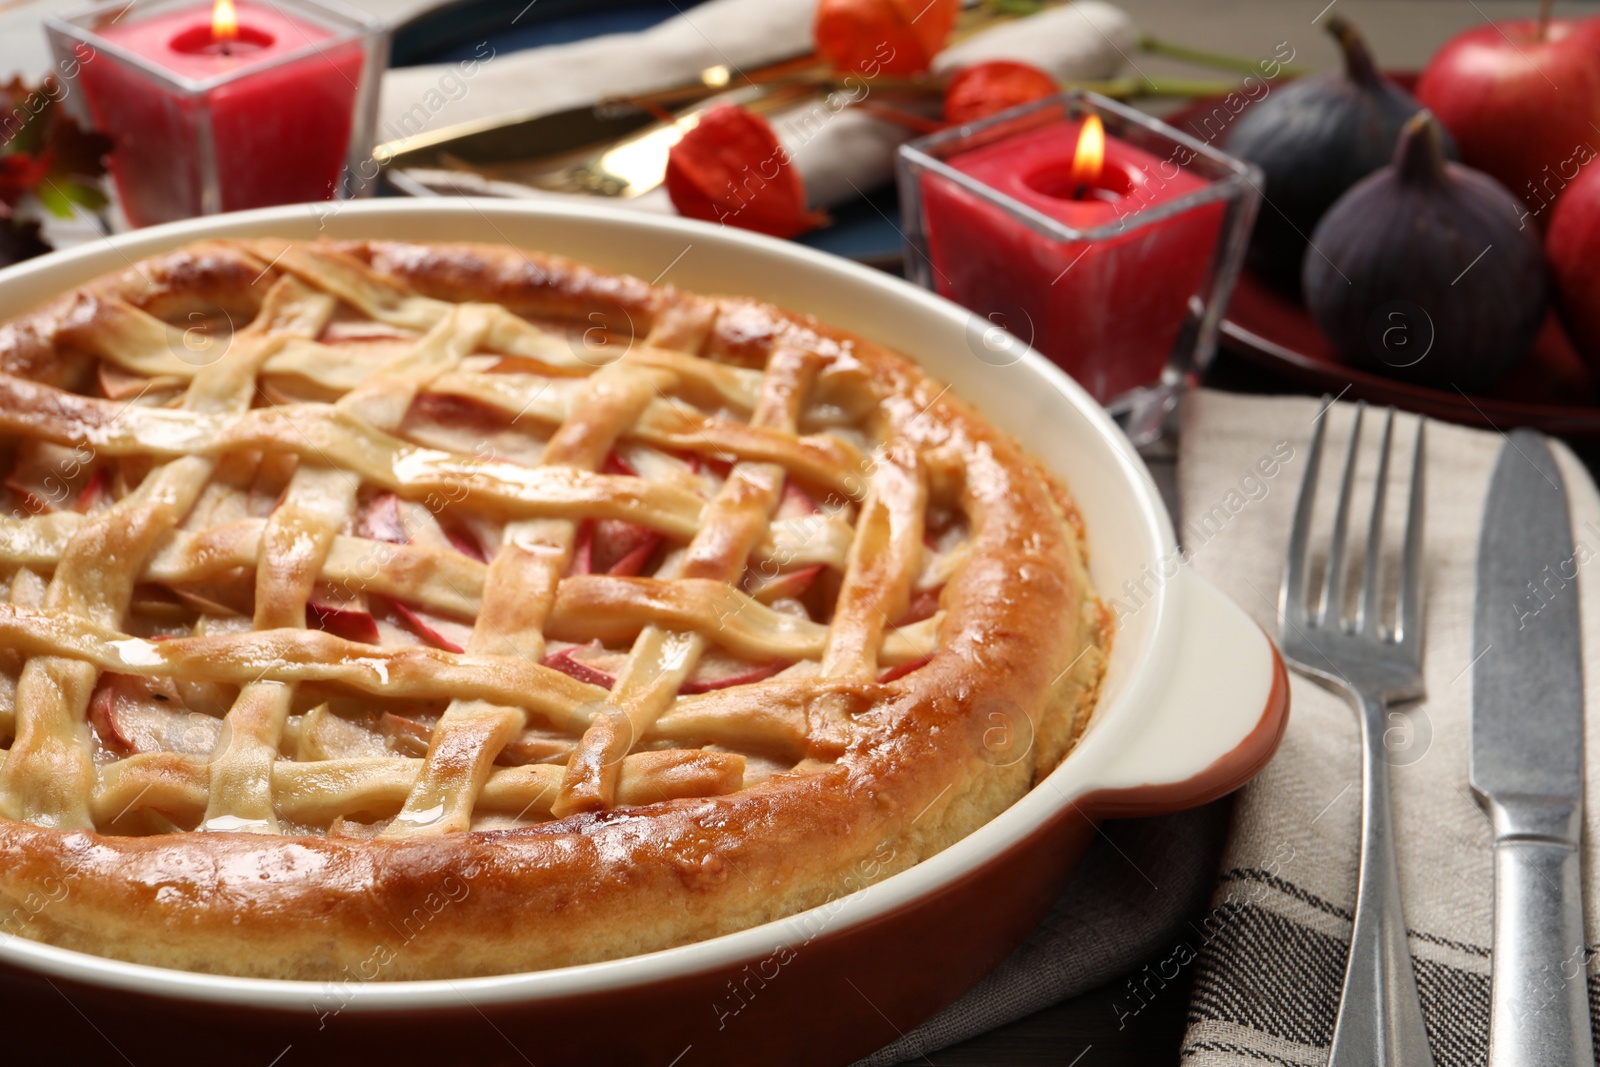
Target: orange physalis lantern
{"points": [[872, 37], [731, 169], [982, 89]]}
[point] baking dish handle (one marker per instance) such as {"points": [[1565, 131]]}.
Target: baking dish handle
{"points": [[1217, 723]]}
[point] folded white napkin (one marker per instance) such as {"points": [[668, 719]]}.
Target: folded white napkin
{"points": [[839, 152], [732, 33], [1083, 40], [1271, 954]]}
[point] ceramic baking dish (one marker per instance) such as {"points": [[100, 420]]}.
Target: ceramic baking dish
{"points": [[1194, 703]]}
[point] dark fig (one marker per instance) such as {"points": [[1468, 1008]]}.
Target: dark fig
{"points": [[1425, 272], [1313, 139]]}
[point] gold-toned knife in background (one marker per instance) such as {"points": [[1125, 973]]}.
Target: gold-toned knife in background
{"points": [[546, 142], [619, 147]]}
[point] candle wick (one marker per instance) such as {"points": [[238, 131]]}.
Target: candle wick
{"points": [[1081, 191], [227, 49]]}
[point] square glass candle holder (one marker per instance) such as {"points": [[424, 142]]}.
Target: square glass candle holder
{"points": [[281, 112], [1121, 280]]}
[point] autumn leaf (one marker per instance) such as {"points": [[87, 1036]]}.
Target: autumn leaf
{"points": [[47, 157], [19, 239], [78, 154]]}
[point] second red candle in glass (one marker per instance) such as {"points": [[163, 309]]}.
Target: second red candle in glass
{"points": [[1103, 252]]}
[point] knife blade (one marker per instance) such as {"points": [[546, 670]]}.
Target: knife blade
{"points": [[1527, 758], [541, 138], [629, 161]]}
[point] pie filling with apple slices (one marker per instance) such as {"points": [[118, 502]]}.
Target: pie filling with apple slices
{"points": [[337, 577]]}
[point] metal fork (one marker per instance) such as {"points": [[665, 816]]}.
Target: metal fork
{"points": [[1380, 1018]]}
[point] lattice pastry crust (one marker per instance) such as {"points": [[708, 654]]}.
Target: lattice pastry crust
{"points": [[496, 612]]}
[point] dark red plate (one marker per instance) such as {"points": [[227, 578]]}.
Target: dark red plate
{"points": [[1551, 390]]}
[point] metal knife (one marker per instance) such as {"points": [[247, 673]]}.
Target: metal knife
{"points": [[1527, 759]]}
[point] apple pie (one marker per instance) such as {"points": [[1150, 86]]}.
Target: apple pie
{"points": [[391, 611]]}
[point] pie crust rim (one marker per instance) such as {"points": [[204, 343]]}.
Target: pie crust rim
{"points": [[972, 842]]}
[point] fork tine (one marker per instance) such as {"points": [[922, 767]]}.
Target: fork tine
{"points": [[1332, 602], [1410, 613], [1292, 593], [1369, 610]]}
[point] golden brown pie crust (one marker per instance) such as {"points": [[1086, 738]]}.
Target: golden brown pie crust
{"points": [[881, 774]]}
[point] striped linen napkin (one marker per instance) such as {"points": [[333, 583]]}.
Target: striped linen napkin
{"points": [[1269, 957]]}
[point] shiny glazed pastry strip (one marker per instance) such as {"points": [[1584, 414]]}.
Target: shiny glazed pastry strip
{"points": [[547, 466]]}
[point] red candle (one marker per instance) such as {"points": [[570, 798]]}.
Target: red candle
{"points": [[1108, 309], [277, 127]]}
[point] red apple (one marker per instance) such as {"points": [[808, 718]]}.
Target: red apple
{"points": [[464, 541], [103, 713], [613, 546], [132, 714], [1572, 247], [896, 673], [340, 620], [924, 605], [1522, 99], [95, 493], [434, 629], [381, 521], [406, 736], [592, 663], [788, 585], [601, 666], [718, 671]]}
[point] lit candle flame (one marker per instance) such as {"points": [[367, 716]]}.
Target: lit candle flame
{"points": [[1091, 153], [224, 21]]}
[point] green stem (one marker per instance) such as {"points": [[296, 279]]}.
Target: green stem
{"points": [[1189, 87], [1126, 88], [1217, 60], [1017, 7]]}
